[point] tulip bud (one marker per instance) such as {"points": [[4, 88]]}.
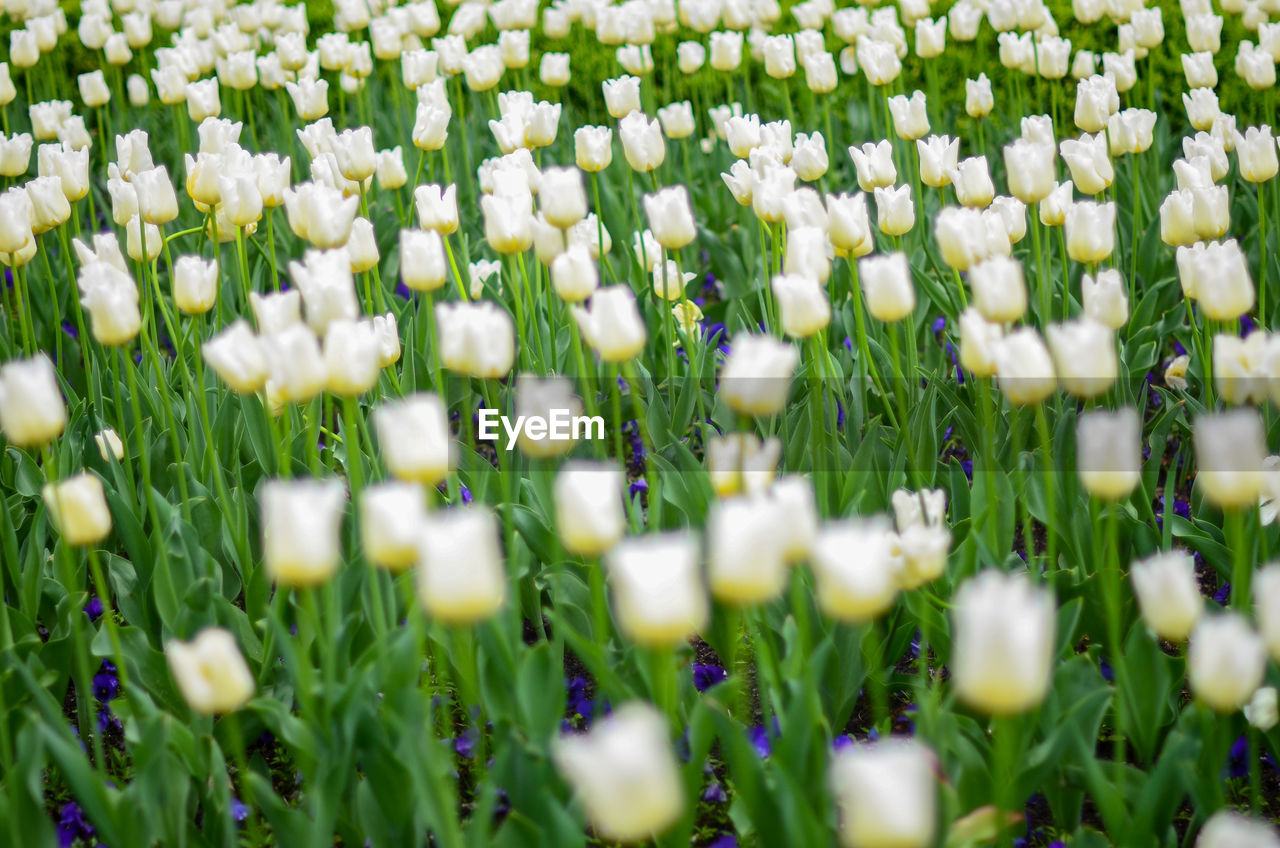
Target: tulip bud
{"points": [[111, 297], [350, 357], [670, 217], [1096, 100], [1217, 276], [32, 411], [321, 215], [886, 285], [195, 285], [1024, 367], [422, 260], [392, 516], [624, 773], [1226, 662], [1256, 154], [1084, 356], [593, 147], [237, 358], [461, 576], [414, 436], [1230, 447], [746, 559], [857, 566], [978, 338], [78, 508], [1108, 452], [621, 96], [978, 100], [642, 142], [588, 499], [1105, 298], [437, 209], [611, 324], [210, 672], [327, 287], [476, 339], [301, 521], [910, 117], [886, 794], [895, 210], [1030, 170], [802, 304], [999, 291], [1090, 231], [1053, 208], [972, 182], [874, 164], [939, 156], [1168, 594], [848, 226], [658, 596], [1002, 643], [756, 377], [1229, 829], [1090, 162]]}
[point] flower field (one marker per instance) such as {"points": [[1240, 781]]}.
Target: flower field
{"points": [[667, 422]]}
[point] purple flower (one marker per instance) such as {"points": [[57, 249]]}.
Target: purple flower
{"points": [[107, 721], [939, 324], [93, 609], [637, 486], [841, 742], [239, 810], [1178, 348], [404, 291], [839, 415], [1108, 673], [72, 825], [106, 683], [762, 739], [464, 745], [715, 793], [70, 329], [1223, 595], [1247, 326], [1237, 759], [707, 675], [465, 492], [724, 840]]}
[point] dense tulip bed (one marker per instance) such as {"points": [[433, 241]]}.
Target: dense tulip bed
{"points": [[709, 423]]}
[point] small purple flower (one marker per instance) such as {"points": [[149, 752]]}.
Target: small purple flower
{"points": [[707, 675], [762, 739], [464, 745], [466, 494], [1237, 759], [403, 291], [93, 609], [1108, 673], [239, 810], [724, 840], [637, 486], [841, 742], [72, 825], [1223, 595], [106, 683], [939, 324], [70, 329], [839, 415], [1247, 326], [1178, 348], [108, 721], [715, 793]]}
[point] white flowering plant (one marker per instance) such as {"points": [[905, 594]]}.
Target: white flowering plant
{"points": [[700, 423]]}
